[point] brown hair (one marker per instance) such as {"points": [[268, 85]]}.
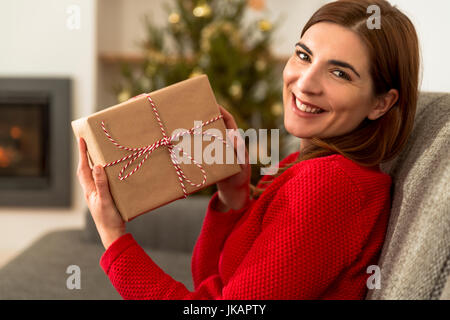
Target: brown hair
{"points": [[394, 61]]}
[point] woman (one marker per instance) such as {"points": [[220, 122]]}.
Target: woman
{"points": [[311, 231]]}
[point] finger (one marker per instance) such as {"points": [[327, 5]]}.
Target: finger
{"points": [[84, 171], [240, 144], [239, 147], [228, 118], [101, 183]]}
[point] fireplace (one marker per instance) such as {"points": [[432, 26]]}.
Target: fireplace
{"points": [[35, 142]]}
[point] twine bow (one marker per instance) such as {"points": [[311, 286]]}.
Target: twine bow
{"points": [[165, 141]]}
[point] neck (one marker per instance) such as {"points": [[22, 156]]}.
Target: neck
{"points": [[303, 144]]}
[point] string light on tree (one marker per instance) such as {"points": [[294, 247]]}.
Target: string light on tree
{"points": [[202, 11], [145, 84], [150, 70], [196, 72], [277, 109], [260, 65], [124, 95], [236, 90]]}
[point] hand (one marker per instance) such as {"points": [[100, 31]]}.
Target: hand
{"points": [[234, 191], [107, 219]]}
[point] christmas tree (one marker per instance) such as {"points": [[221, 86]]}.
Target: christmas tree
{"points": [[209, 37]]}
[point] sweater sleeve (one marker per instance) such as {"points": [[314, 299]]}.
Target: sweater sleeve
{"points": [[309, 235], [126, 262]]}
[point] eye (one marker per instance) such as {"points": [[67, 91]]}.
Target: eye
{"points": [[302, 55], [341, 74]]}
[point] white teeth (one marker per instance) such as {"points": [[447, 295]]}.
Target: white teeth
{"points": [[306, 108]]}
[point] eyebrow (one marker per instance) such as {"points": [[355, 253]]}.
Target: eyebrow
{"points": [[304, 47], [334, 62], [344, 65]]}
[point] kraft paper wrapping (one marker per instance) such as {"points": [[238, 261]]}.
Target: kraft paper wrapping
{"points": [[133, 124]]}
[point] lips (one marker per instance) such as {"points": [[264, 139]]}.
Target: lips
{"points": [[298, 101]]}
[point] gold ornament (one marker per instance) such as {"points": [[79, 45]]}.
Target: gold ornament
{"points": [[202, 11], [174, 18], [264, 25]]}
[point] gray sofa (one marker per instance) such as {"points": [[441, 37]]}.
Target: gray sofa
{"points": [[415, 261], [168, 234]]}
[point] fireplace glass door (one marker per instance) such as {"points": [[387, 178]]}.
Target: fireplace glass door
{"points": [[24, 140]]}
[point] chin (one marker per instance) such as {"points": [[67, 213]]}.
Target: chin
{"points": [[294, 130]]}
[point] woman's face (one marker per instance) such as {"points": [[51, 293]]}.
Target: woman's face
{"points": [[329, 70]]}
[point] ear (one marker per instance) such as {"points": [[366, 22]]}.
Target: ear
{"points": [[383, 104]]}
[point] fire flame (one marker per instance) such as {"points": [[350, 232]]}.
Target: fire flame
{"points": [[5, 159], [15, 132]]}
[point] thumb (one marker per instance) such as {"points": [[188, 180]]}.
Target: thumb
{"points": [[101, 182]]}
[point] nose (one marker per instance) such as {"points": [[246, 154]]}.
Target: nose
{"points": [[308, 81]]}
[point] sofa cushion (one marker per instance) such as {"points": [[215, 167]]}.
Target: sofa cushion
{"points": [[40, 271], [174, 226], [415, 258]]}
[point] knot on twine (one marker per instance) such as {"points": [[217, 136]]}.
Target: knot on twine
{"points": [[164, 141]]}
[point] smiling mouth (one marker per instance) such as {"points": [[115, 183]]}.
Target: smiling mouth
{"points": [[305, 107]]}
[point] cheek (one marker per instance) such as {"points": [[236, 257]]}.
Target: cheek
{"points": [[289, 73], [346, 99], [350, 108]]}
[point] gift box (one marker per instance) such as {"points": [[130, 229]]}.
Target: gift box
{"points": [[141, 144]]}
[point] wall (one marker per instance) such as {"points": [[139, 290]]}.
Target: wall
{"points": [[431, 19], [35, 41]]}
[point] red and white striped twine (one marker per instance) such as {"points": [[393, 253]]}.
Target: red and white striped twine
{"points": [[164, 141]]}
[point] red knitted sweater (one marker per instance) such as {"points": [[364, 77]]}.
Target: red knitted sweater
{"points": [[310, 235]]}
